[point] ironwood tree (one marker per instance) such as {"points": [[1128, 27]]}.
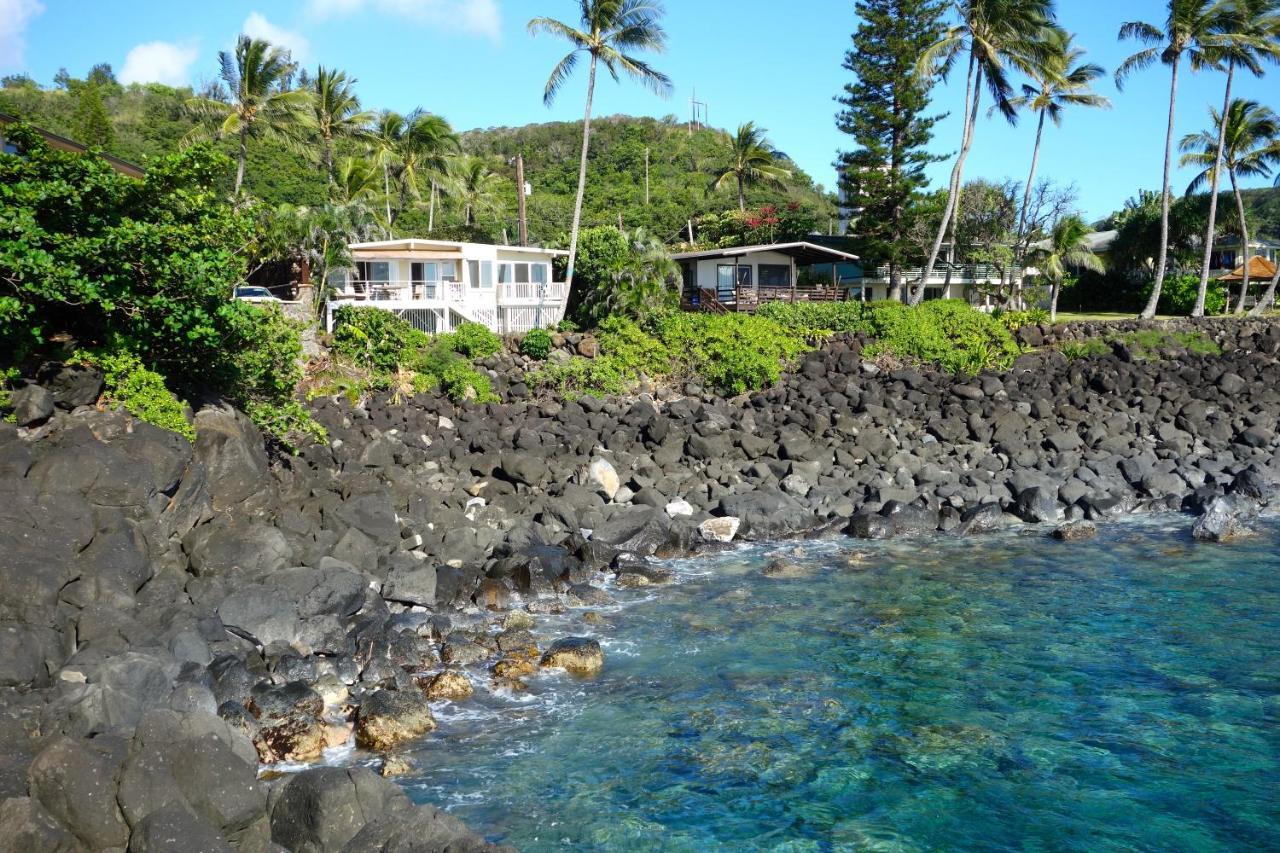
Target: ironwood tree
{"points": [[884, 112]]}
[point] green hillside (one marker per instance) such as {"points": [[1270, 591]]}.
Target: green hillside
{"points": [[148, 121]]}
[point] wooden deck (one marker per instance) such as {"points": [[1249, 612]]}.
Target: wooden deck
{"points": [[748, 299]]}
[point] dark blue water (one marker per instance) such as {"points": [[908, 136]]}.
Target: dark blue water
{"points": [[1002, 693]]}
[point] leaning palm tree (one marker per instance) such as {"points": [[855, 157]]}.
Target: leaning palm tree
{"points": [[751, 161], [336, 112], [260, 104], [1193, 28], [1247, 150], [476, 187], [993, 35], [1067, 248], [1251, 36], [609, 30], [1269, 297], [355, 179], [1061, 81]]}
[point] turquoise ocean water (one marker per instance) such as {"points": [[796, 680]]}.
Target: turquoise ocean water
{"points": [[1002, 693]]}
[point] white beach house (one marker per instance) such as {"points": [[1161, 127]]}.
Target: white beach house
{"points": [[437, 284]]}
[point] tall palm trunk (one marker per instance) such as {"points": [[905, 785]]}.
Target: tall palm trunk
{"points": [[742, 194], [327, 156], [1198, 311], [582, 177], [1267, 298], [972, 95], [1053, 300], [386, 192], [1021, 246], [1163, 261], [431, 208], [1244, 238], [244, 155]]}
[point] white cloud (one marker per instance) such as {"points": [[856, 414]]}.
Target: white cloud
{"points": [[481, 17], [257, 26], [14, 17], [159, 62]]}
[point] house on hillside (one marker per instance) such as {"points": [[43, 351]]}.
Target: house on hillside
{"points": [[62, 143], [437, 284], [744, 277]]}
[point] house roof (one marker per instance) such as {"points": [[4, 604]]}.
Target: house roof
{"points": [[1259, 269], [413, 244], [803, 252], [62, 143]]}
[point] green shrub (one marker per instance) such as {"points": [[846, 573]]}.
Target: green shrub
{"points": [[731, 353], [460, 381], [141, 392], [947, 332], [475, 340], [1015, 320], [374, 338], [816, 318], [632, 349], [1091, 348], [1178, 296], [288, 422], [536, 344], [599, 377]]}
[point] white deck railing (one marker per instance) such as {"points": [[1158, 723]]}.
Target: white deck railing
{"points": [[436, 307]]}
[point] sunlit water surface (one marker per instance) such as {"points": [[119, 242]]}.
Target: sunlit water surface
{"points": [[997, 693]]}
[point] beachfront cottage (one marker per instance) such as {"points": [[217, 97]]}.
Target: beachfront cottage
{"points": [[744, 277], [437, 284]]}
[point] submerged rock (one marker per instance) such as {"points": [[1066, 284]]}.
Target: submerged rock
{"points": [[448, 685], [577, 655], [1077, 531]]}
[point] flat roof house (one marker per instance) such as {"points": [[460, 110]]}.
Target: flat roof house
{"points": [[744, 277], [438, 284]]}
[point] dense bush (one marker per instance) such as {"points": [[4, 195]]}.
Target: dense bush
{"points": [[1015, 320], [731, 353], [816, 318], [475, 340], [141, 392], [374, 338], [622, 273], [536, 344], [1178, 295], [143, 269], [947, 332], [393, 355]]}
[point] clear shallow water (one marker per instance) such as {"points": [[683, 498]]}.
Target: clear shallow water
{"points": [[998, 693]]}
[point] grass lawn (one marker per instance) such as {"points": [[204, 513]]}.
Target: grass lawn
{"points": [[1072, 317]]}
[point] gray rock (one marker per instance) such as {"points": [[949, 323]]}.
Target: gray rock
{"points": [[412, 585], [31, 405], [173, 828], [26, 827], [1224, 519], [74, 780]]}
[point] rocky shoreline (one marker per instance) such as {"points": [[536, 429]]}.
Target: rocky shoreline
{"points": [[173, 615]]}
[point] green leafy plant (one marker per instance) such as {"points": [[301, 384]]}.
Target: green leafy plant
{"points": [[1092, 348], [1015, 320], [461, 382], [731, 353], [536, 344], [1179, 293], [374, 338], [141, 392], [815, 319], [475, 340], [947, 332]]}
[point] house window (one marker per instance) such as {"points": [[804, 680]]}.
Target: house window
{"points": [[538, 272], [481, 274], [522, 273], [369, 273], [725, 289], [934, 292], [775, 275]]}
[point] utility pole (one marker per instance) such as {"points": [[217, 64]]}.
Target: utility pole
{"points": [[646, 177], [521, 221]]}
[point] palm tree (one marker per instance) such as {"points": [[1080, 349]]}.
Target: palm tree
{"points": [[336, 112], [750, 160], [260, 103], [994, 34], [407, 147], [1193, 28], [476, 187], [609, 29], [1245, 145], [355, 179], [1060, 82], [1251, 37], [1066, 248], [1269, 297]]}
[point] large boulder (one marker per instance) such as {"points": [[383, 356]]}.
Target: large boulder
{"points": [[74, 780], [1225, 518], [390, 717], [235, 459], [239, 545], [642, 530], [576, 655], [767, 514], [25, 827], [31, 405]]}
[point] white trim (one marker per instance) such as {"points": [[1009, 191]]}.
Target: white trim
{"points": [[766, 247]]}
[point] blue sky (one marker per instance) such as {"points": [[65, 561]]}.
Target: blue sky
{"points": [[472, 61]]}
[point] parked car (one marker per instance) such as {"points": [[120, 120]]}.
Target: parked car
{"points": [[255, 294]]}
